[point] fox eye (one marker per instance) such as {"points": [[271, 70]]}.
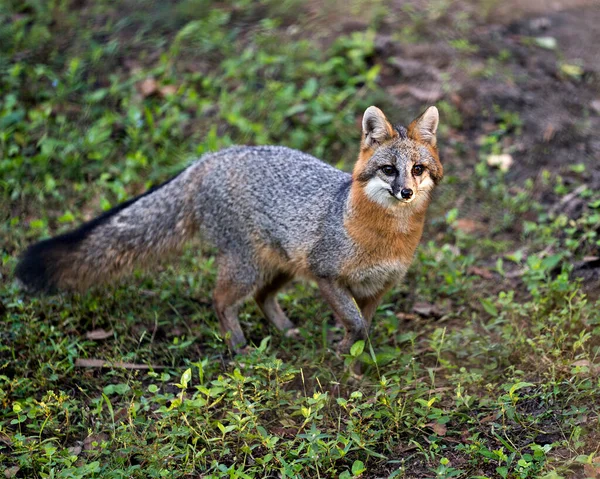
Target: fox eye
{"points": [[388, 170], [418, 170]]}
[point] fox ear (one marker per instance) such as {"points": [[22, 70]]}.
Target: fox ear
{"points": [[425, 126], [376, 128]]}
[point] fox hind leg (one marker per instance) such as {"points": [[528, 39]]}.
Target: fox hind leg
{"points": [[234, 284], [266, 298]]}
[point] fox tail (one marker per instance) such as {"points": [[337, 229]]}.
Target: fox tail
{"points": [[137, 232]]}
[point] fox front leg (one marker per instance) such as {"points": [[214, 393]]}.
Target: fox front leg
{"points": [[368, 305], [346, 310]]}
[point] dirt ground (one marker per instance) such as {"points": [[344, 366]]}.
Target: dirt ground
{"points": [[558, 116], [554, 92]]}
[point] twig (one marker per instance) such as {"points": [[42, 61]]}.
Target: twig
{"points": [[568, 198], [101, 363]]}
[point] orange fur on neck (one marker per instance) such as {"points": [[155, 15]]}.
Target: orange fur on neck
{"points": [[378, 232]]}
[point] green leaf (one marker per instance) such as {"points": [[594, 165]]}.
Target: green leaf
{"points": [[310, 88], [186, 378], [552, 475], [549, 43], [118, 389], [594, 204], [37, 224], [264, 344], [550, 262], [574, 71], [97, 96], [578, 168], [517, 386], [357, 348], [358, 468], [516, 257], [67, 218], [500, 266], [503, 471], [489, 307], [451, 216], [105, 204]]}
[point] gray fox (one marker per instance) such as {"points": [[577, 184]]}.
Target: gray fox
{"points": [[273, 214]]}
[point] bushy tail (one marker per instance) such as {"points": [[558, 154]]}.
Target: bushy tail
{"points": [[137, 232]]}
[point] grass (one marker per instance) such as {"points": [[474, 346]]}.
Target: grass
{"points": [[483, 363]]}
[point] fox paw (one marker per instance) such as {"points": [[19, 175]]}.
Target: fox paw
{"points": [[293, 333], [244, 350]]}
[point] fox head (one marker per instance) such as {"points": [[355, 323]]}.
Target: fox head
{"points": [[398, 166]]}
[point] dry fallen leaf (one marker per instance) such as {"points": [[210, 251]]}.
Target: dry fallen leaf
{"points": [[427, 309], [431, 92], [407, 316], [285, 431], [147, 87], [75, 450], [88, 442], [503, 162], [11, 471], [477, 271], [489, 418], [549, 133], [98, 334], [438, 428], [168, 90], [582, 363], [469, 226], [592, 471]]}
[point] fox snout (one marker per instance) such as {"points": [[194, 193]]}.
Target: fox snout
{"points": [[405, 195], [402, 190]]}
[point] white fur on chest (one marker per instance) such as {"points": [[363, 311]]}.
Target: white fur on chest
{"points": [[370, 281]]}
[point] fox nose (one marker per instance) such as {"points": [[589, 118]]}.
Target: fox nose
{"points": [[406, 193]]}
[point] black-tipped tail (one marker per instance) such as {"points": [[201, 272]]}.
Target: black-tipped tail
{"points": [[38, 265], [99, 250]]}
